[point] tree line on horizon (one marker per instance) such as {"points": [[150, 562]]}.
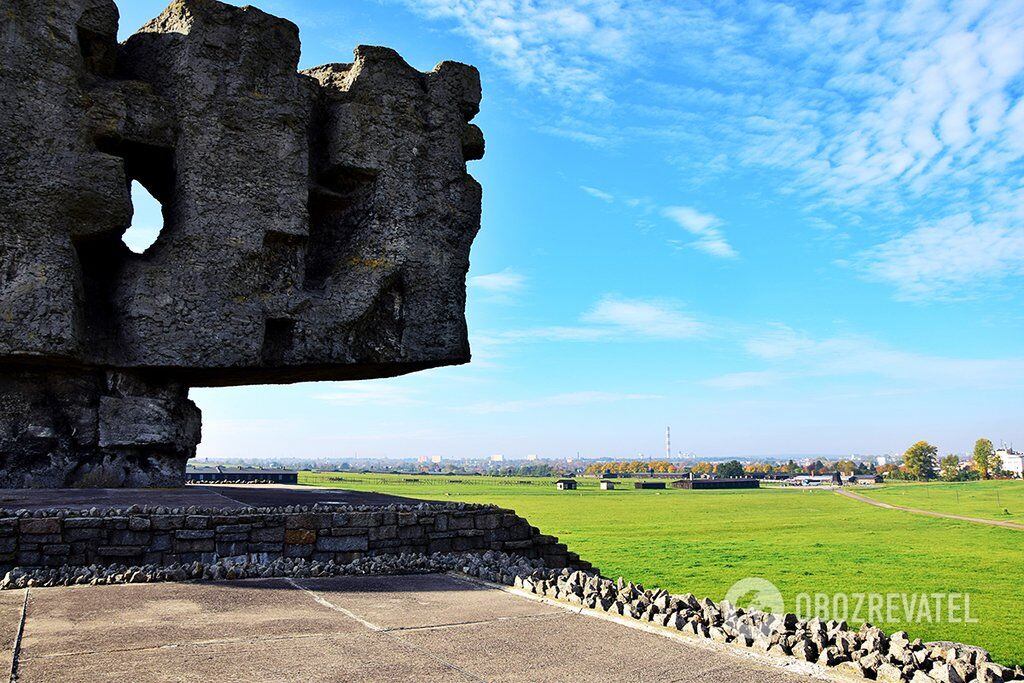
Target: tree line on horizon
{"points": [[920, 463]]}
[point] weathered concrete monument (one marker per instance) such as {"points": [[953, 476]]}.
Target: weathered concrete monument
{"points": [[317, 226]]}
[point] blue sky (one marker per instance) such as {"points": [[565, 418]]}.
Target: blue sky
{"points": [[779, 228]]}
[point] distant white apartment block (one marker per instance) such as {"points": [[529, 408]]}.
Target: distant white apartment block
{"points": [[498, 458], [1013, 461], [532, 457], [436, 459]]}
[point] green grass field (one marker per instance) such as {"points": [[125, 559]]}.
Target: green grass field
{"points": [[803, 541], [1002, 500]]}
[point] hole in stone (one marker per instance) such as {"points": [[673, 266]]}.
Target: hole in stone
{"points": [[147, 220], [277, 339]]}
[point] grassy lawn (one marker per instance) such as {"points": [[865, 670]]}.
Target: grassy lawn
{"points": [[803, 541], [986, 499]]}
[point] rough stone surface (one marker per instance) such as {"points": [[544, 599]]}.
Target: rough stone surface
{"points": [[317, 226]]}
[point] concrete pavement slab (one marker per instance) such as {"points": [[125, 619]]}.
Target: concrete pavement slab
{"points": [[363, 656], [575, 647], [427, 628], [415, 601], [90, 618]]}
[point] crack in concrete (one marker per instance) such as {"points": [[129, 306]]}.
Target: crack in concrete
{"points": [[16, 648], [386, 632], [321, 600], [478, 622]]}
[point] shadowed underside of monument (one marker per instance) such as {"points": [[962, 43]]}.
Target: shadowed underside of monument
{"points": [[317, 226]]}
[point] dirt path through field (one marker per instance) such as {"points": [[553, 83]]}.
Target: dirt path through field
{"points": [[929, 513]]}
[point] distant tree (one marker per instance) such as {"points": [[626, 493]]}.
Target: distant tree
{"points": [[919, 460], [995, 466], [950, 468], [846, 466], [702, 468], [984, 454], [729, 469]]}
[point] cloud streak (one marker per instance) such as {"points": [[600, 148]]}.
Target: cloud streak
{"points": [[705, 227], [901, 116], [613, 318]]}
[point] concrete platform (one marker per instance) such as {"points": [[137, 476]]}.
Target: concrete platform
{"points": [[226, 496], [405, 628]]}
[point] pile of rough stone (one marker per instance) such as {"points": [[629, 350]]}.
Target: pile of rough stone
{"points": [[264, 510], [866, 652], [498, 565]]}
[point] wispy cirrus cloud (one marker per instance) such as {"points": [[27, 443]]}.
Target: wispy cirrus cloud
{"points": [[501, 287], [799, 354], [598, 194], [900, 115], [705, 227], [952, 258], [613, 318], [559, 48]]}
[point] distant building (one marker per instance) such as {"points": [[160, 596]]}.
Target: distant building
{"points": [[498, 458], [436, 459], [697, 484], [648, 484], [566, 484], [834, 479], [863, 479], [1013, 461], [235, 474], [532, 457], [607, 485]]}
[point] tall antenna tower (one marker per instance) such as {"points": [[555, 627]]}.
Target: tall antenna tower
{"points": [[668, 443]]}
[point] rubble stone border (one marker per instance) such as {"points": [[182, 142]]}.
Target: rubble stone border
{"points": [[864, 653], [161, 537]]}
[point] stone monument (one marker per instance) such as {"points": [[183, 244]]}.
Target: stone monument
{"points": [[317, 226]]}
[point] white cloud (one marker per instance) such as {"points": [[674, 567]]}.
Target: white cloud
{"points": [[654, 319], [560, 48], [613, 319], [502, 287], [504, 282], [850, 355], [948, 258], [598, 194], [576, 398], [893, 114], [710, 238]]}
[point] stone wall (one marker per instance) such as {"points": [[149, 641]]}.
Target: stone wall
{"points": [[162, 536]]}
